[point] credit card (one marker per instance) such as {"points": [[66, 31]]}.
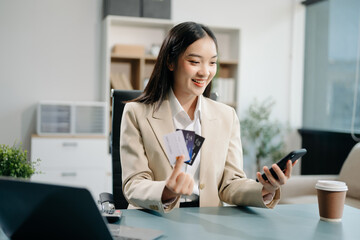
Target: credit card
{"points": [[198, 142], [175, 146], [189, 137]]}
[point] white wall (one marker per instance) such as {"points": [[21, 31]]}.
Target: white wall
{"points": [[50, 50]]}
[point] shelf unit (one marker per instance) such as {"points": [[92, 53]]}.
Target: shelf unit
{"points": [[147, 32]]}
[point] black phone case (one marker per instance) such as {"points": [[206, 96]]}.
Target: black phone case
{"points": [[293, 156]]}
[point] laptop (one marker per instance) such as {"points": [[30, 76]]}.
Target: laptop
{"points": [[30, 210]]}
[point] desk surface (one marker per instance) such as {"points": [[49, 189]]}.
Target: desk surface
{"points": [[283, 222]]}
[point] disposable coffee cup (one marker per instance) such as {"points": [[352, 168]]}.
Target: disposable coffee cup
{"points": [[331, 199]]}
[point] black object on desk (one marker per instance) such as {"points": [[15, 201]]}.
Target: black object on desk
{"points": [[31, 210]]}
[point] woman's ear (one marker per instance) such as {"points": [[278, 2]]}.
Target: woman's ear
{"points": [[170, 66]]}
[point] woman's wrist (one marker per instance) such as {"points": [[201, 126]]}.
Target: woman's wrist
{"points": [[167, 196], [267, 196]]}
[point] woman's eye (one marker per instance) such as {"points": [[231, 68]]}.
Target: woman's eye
{"points": [[213, 63], [194, 62]]}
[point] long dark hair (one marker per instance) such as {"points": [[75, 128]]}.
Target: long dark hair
{"points": [[175, 43]]}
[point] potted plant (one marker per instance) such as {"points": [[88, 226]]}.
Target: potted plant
{"points": [[261, 136], [14, 163]]}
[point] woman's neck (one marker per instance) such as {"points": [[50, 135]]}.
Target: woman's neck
{"points": [[188, 104]]}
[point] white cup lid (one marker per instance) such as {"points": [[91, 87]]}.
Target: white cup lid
{"points": [[328, 185]]}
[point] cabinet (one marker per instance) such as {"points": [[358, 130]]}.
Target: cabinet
{"points": [[149, 34], [73, 161]]}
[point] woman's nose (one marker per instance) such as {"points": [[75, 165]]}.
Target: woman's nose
{"points": [[204, 71]]}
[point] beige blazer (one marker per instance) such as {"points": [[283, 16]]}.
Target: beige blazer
{"points": [[145, 165]]}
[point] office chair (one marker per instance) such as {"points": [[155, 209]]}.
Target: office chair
{"points": [[214, 96], [118, 98]]}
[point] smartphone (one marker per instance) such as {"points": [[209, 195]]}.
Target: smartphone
{"points": [[293, 156]]}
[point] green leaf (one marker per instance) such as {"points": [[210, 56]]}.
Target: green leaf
{"points": [[261, 133], [14, 163]]}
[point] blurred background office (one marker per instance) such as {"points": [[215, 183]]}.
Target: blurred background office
{"points": [[302, 54]]}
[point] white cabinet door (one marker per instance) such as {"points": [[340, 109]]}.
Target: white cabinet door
{"points": [[93, 180], [83, 162], [69, 153]]}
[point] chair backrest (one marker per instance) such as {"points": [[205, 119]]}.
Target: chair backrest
{"points": [[214, 96], [118, 99], [350, 172]]}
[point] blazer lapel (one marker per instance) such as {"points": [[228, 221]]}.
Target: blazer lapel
{"points": [[208, 128], [161, 123]]}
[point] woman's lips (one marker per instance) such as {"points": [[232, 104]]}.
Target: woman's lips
{"points": [[199, 82]]}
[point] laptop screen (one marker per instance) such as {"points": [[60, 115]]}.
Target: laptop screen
{"points": [[31, 210]]}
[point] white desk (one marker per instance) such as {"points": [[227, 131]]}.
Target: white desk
{"points": [[283, 222]]}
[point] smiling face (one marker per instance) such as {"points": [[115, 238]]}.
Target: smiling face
{"points": [[195, 69]]}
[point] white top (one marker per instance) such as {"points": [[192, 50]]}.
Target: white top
{"points": [[183, 121]]}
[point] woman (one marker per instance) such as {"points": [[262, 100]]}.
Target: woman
{"points": [[176, 97]]}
